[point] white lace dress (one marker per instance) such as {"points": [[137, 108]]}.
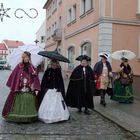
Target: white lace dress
{"points": [[53, 108]]}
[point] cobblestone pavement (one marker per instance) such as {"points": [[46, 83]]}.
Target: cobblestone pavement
{"points": [[79, 127]]}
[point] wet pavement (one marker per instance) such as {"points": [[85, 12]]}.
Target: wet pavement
{"points": [[79, 127]]}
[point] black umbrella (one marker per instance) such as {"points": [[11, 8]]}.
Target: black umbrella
{"points": [[81, 57], [54, 55]]}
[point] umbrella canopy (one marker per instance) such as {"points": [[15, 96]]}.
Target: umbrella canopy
{"points": [[118, 55], [15, 57], [81, 57], [54, 55]]}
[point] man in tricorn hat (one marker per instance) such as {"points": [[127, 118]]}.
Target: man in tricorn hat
{"points": [[102, 70], [81, 86]]}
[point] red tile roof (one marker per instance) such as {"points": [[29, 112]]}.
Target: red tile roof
{"points": [[13, 43], [2, 46]]}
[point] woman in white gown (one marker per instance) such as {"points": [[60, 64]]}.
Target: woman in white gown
{"points": [[52, 107]]}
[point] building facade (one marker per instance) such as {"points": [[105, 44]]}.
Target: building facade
{"points": [[92, 26], [12, 44], [41, 38], [3, 51], [41, 35]]}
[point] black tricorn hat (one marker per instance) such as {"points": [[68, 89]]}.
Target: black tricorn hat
{"points": [[83, 57], [124, 59]]}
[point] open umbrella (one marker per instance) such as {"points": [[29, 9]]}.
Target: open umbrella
{"points": [[118, 55], [15, 57], [81, 57], [54, 55]]}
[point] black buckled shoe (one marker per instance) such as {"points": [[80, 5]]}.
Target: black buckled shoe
{"points": [[87, 112]]}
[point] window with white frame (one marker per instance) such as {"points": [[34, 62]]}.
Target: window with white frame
{"points": [[47, 34], [85, 5], [88, 5], [59, 1], [138, 6], [53, 29], [82, 7], [71, 54], [53, 5], [42, 39], [50, 11], [69, 15], [139, 48], [49, 31], [74, 12], [55, 26], [59, 22]]}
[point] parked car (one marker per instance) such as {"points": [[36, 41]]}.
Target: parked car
{"points": [[2, 64]]}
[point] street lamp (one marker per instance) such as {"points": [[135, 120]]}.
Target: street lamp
{"points": [[36, 41]]}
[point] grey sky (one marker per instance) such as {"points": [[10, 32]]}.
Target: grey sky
{"points": [[21, 29]]}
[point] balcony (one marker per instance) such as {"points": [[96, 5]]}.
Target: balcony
{"points": [[57, 35]]}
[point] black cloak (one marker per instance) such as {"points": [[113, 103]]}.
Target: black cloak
{"points": [[81, 88], [52, 78]]}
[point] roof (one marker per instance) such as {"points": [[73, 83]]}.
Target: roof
{"points": [[13, 43], [2, 46], [47, 4]]}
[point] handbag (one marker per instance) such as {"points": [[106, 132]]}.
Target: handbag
{"points": [[125, 81]]}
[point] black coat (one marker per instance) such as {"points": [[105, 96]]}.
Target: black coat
{"points": [[81, 88], [52, 78]]}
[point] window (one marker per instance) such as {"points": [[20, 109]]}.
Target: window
{"points": [[82, 7], [55, 26], [86, 49], [53, 29], [88, 5], [138, 6], [139, 48], [73, 12], [42, 39], [59, 1], [49, 31], [59, 22], [69, 16], [49, 12], [85, 5], [71, 58], [53, 5]]}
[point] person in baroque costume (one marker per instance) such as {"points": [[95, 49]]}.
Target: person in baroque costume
{"points": [[81, 86], [123, 90], [103, 73], [21, 104], [52, 107]]}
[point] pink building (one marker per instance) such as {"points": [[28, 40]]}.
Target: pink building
{"points": [[92, 26]]}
